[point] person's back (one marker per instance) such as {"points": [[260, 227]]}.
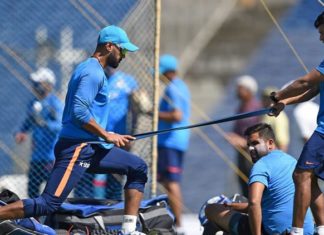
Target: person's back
{"points": [[275, 172]]}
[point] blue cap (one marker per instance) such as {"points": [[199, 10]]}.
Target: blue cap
{"points": [[168, 63], [117, 36]]}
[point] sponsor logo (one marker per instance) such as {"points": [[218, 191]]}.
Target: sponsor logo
{"points": [[84, 164], [310, 163]]}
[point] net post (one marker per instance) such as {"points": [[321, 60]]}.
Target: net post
{"points": [[156, 94]]}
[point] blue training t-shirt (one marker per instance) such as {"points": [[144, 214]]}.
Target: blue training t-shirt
{"points": [[87, 98], [275, 171], [176, 96], [45, 125], [121, 86], [320, 116]]}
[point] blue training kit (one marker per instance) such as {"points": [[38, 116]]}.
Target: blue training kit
{"points": [[170, 163], [87, 98], [274, 171], [73, 159], [47, 131], [172, 145], [312, 155], [176, 96]]}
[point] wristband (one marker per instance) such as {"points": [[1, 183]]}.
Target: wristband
{"points": [[273, 97]]}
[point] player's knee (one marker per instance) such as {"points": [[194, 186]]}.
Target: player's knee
{"points": [[45, 205], [212, 211], [301, 176], [209, 212], [138, 170]]}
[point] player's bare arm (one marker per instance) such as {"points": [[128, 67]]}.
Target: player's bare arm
{"points": [[172, 116], [309, 94], [238, 206], [300, 86], [255, 213]]}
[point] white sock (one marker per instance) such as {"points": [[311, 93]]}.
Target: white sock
{"points": [[129, 223], [297, 231], [320, 230]]}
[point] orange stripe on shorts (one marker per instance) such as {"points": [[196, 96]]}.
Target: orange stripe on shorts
{"points": [[68, 170]]}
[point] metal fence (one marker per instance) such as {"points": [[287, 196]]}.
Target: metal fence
{"points": [[58, 35]]}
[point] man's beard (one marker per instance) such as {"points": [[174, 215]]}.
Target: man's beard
{"points": [[112, 61]]}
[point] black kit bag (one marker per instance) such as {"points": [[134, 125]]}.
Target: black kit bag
{"points": [[9, 227], [154, 219]]}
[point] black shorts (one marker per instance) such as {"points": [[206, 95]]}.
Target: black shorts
{"points": [[239, 225]]}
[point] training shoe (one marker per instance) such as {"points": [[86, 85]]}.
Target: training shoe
{"points": [[180, 231]]}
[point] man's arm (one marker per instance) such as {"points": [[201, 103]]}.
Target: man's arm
{"points": [[255, 211], [118, 140], [309, 94], [238, 206], [301, 89]]}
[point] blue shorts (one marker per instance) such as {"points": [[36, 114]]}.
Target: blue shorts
{"points": [[169, 164], [312, 156], [72, 160]]}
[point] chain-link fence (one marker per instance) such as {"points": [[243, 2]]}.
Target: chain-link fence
{"points": [[58, 35]]}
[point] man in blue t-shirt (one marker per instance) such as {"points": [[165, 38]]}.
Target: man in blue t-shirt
{"points": [[43, 120], [121, 88], [85, 119], [174, 112], [271, 191], [310, 164]]}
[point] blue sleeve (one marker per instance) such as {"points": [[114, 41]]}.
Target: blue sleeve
{"points": [[54, 124], [320, 68], [86, 91], [259, 173]]}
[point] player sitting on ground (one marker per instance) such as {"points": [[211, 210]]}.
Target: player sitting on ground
{"points": [[271, 191]]}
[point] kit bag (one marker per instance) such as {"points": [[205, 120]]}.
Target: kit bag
{"points": [[154, 217], [10, 227]]}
